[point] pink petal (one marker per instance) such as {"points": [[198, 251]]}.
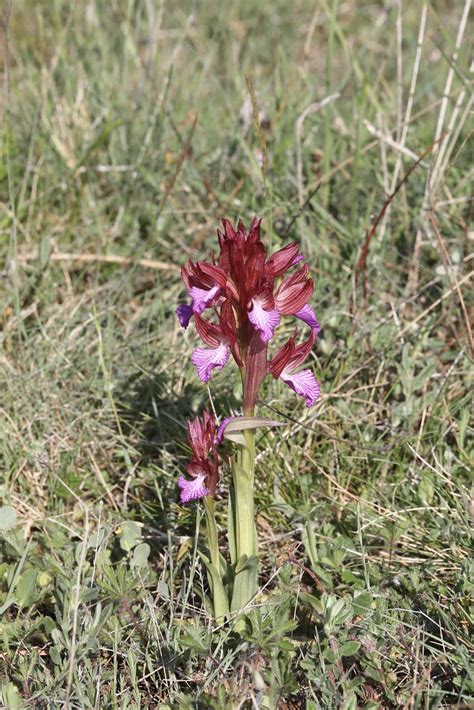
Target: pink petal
{"points": [[284, 258], [307, 315], [206, 359], [303, 383], [184, 313], [294, 292], [190, 490], [221, 429], [297, 259], [209, 332], [264, 321], [202, 297]]}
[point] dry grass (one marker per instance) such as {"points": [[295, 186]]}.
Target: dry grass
{"points": [[127, 132]]}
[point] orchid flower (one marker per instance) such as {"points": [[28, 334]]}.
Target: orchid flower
{"points": [[286, 362], [248, 293], [203, 467], [237, 301]]}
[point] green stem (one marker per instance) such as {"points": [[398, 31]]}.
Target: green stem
{"points": [[246, 567], [219, 595], [212, 534], [244, 475]]}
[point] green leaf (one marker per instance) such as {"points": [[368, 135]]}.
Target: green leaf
{"points": [[131, 535], [423, 376], [55, 656], [141, 554], [163, 590], [241, 564], [323, 575], [343, 616], [239, 424], [97, 538], [285, 645], [10, 696], [309, 542], [219, 595], [329, 655], [362, 603], [195, 639], [349, 648], [245, 582], [311, 601], [350, 703], [231, 533], [334, 607], [7, 517], [349, 578], [25, 587], [426, 490]]}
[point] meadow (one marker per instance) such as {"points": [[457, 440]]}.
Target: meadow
{"points": [[128, 130]]}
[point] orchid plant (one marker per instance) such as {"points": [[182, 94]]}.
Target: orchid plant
{"points": [[246, 294]]}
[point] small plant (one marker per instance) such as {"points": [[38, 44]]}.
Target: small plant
{"points": [[247, 293]]}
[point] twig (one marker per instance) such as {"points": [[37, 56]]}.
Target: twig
{"points": [[80, 566], [435, 175], [311, 28], [303, 207], [450, 77], [434, 305], [185, 151], [383, 155], [389, 141], [447, 147], [447, 261], [256, 122], [4, 30], [360, 266], [206, 182], [399, 26], [135, 622], [103, 259], [410, 102], [312, 108], [291, 558]]}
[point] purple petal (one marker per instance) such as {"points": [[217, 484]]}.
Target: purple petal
{"points": [[201, 297], [184, 313], [264, 321], [192, 489], [297, 259], [307, 315], [303, 383], [221, 430], [205, 359]]}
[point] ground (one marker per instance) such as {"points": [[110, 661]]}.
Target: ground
{"points": [[128, 130]]}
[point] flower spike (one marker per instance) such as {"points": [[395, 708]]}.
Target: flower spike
{"points": [[203, 467], [237, 300], [248, 294]]}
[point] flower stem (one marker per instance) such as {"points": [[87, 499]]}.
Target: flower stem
{"points": [[220, 599], [246, 568], [244, 474], [212, 535]]}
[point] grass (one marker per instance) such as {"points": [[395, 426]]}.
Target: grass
{"points": [[127, 133]]}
